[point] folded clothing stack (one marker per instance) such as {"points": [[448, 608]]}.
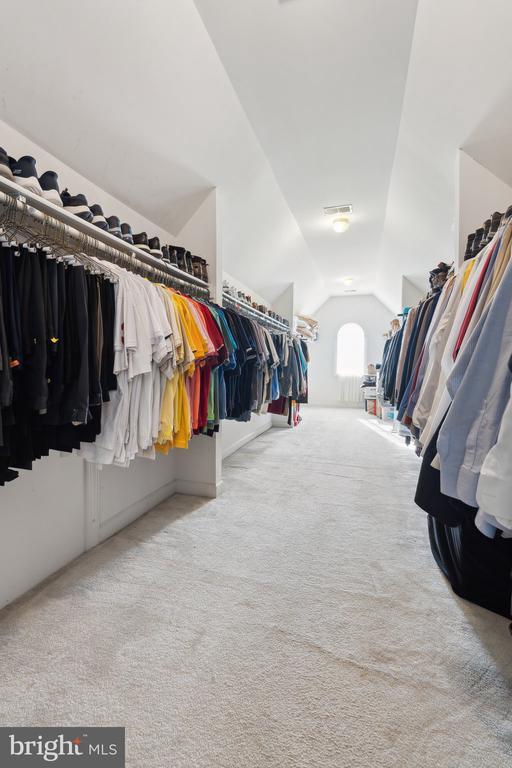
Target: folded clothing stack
{"points": [[307, 327]]}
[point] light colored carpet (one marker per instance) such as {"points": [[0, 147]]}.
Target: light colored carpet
{"points": [[298, 621]]}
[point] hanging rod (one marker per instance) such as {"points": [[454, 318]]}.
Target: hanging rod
{"points": [[260, 316], [42, 212]]}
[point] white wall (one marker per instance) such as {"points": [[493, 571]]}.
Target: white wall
{"points": [[237, 283], [41, 523], [284, 305], [235, 434], [460, 49], [17, 144], [480, 194], [200, 234], [411, 294], [371, 314]]}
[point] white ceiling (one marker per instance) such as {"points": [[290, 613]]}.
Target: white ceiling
{"points": [[458, 96], [285, 106], [322, 83]]}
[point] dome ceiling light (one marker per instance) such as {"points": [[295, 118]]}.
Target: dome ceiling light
{"points": [[340, 224], [341, 216]]}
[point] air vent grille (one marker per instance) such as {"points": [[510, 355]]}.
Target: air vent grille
{"points": [[338, 210]]}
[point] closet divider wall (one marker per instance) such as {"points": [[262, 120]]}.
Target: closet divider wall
{"points": [[66, 505], [224, 364]]}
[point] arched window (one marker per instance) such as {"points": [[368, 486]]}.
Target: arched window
{"points": [[350, 350]]}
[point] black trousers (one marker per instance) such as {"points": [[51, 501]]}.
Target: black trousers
{"points": [[478, 568]]}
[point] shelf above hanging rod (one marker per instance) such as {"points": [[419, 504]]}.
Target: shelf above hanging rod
{"points": [[42, 211], [261, 316]]}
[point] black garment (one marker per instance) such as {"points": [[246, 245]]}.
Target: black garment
{"points": [[428, 497], [58, 315], [95, 397], [29, 278], [52, 307], [75, 398], [6, 386], [55, 369], [478, 568], [239, 379], [108, 309], [11, 304]]}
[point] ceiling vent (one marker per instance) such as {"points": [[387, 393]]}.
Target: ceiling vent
{"points": [[350, 290], [338, 210]]}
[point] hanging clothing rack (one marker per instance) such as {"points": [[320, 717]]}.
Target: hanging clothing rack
{"points": [[39, 220], [244, 308]]}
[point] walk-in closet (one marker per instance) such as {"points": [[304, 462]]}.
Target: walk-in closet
{"points": [[256, 384]]}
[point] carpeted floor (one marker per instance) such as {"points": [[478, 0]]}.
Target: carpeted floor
{"points": [[298, 621]]}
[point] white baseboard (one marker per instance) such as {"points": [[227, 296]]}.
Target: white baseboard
{"points": [[127, 516], [280, 421], [246, 439], [197, 488], [135, 510]]}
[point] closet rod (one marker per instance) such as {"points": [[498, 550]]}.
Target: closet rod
{"points": [[260, 316], [40, 211]]}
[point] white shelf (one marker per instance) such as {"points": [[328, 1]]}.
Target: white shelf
{"points": [[38, 207], [259, 315]]}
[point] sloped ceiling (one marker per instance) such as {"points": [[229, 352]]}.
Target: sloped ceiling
{"points": [[322, 82], [133, 95], [457, 97], [285, 106], [369, 103]]}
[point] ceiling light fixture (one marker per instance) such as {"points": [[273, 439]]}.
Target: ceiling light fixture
{"points": [[341, 224], [341, 216]]}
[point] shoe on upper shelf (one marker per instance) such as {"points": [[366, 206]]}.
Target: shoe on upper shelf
{"points": [[5, 168], [477, 242], [204, 270], [154, 247], [141, 241], [469, 246], [25, 174], [495, 224], [188, 261], [173, 255], [196, 266], [50, 187], [485, 236], [98, 217], [76, 204], [165, 254], [114, 226], [180, 258], [126, 233]]}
